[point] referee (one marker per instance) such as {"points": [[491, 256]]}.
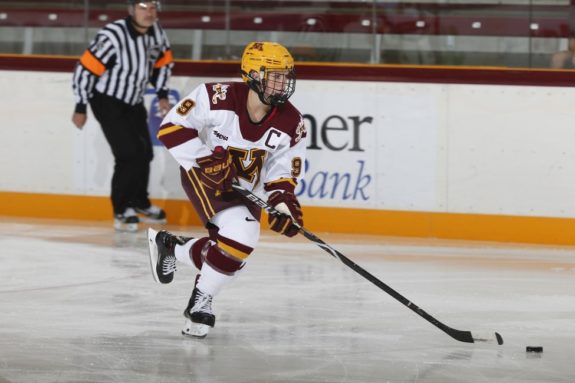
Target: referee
{"points": [[112, 76]]}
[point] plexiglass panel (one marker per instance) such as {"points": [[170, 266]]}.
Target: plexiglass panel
{"points": [[506, 33]]}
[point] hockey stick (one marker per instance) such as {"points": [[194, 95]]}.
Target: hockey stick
{"points": [[462, 336]]}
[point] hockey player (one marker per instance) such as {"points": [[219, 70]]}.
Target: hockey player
{"points": [[246, 132]]}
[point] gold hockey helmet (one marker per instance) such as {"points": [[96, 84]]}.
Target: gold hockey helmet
{"points": [[262, 58]]}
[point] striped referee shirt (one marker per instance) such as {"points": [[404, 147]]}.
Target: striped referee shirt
{"points": [[120, 62]]}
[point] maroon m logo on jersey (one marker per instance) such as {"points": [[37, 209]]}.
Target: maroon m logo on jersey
{"points": [[254, 159]]}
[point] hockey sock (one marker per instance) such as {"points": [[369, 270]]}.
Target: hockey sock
{"points": [[199, 250], [212, 281], [220, 267], [182, 252], [192, 252]]}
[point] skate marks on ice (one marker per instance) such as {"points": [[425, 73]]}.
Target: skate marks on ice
{"points": [[78, 303]]}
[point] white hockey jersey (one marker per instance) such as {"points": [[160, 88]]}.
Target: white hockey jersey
{"points": [[267, 153]]}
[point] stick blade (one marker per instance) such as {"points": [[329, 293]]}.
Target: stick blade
{"points": [[476, 337], [491, 338]]}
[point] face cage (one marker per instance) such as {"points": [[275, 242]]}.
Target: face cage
{"points": [[276, 99]]}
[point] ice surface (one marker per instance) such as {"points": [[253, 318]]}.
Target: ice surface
{"points": [[78, 304]]}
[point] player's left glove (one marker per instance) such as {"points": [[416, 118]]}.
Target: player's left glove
{"points": [[285, 202]]}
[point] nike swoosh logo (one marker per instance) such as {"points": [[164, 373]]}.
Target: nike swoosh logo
{"points": [[250, 220]]}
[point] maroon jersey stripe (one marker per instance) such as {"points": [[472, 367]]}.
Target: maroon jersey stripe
{"points": [[201, 193], [174, 135]]}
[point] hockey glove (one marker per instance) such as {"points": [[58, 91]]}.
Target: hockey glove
{"points": [[286, 203], [217, 171]]}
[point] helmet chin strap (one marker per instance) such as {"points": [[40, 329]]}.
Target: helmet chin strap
{"points": [[260, 92], [262, 98]]}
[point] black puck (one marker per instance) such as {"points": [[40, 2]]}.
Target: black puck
{"points": [[534, 349]]}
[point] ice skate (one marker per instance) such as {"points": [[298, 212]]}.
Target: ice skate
{"points": [[162, 247], [199, 315], [153, 214], [128, 221]]}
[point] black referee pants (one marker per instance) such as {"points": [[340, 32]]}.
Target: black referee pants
{"points": [[126, 130]]}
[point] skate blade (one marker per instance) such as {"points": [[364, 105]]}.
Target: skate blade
{"points": [[196, 330], [153, 252], [126, 227]]}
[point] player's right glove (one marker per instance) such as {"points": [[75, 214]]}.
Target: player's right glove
{"points": [[285, 202], [217, 171]]}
